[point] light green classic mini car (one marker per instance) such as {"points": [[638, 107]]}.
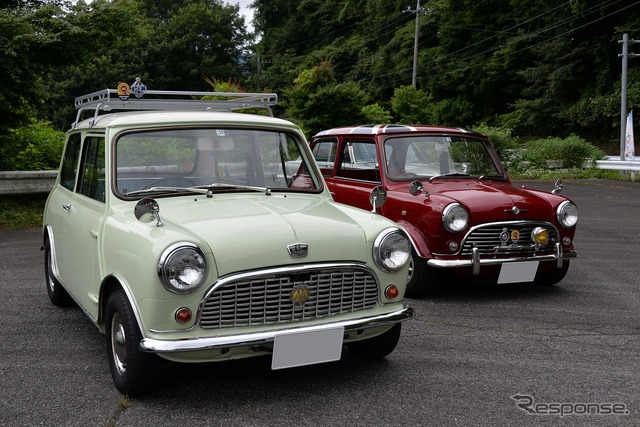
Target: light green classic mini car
{"points": [[189, 231]]}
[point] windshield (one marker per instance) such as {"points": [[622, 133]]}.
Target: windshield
{"points": [[434, 156], [172, 161]]}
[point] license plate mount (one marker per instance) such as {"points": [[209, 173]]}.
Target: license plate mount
{"points": [[518, 272], [291, 349]]}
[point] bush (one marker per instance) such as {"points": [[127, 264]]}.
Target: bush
{"points": [[36, 146], [501, 137], [572, 151]]}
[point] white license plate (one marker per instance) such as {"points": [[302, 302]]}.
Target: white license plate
{"points": [[292, 349], [516, 272]]}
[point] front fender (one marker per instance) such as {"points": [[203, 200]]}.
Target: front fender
{"points": [[418, 240]]}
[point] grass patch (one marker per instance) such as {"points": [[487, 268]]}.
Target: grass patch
{"points": [[573, 173], [21, 211]]}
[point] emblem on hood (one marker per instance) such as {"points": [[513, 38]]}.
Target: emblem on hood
{"points": [[298, 250], [515, 210]]}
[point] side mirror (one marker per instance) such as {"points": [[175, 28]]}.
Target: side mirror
{"points": [[416, 188], [377, 197], [148, 210], [558, 187]]}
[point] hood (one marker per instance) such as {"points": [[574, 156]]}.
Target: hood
{"points": [[495, 202], [246, 232]]}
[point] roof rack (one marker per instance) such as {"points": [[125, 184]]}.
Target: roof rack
{"points": [[121, 99]]}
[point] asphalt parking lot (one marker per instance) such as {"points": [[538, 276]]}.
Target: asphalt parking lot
{"points": [[481, 356]]}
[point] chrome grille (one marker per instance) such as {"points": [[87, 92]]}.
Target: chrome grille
{"points": [[266, 300], [487, 238]]}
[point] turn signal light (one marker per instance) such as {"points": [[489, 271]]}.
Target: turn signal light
{"points": [[183, 315], [391, 292]]}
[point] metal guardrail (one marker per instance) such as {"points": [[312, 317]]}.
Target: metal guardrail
{"points": [[619, 165], [26, 182], [35, 182]]}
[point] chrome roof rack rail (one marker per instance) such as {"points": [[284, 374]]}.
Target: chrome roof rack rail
{"points": [[169, 100]]}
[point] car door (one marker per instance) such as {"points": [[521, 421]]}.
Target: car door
{"points": [[81, 212], [356, 173]]}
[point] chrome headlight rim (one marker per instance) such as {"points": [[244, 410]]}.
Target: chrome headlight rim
{"points": [[392, 250], [567, 214], [451, 222], [172, 263]]}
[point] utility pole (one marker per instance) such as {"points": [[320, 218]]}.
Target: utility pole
{"points": [[418, 11], [623, 101]]}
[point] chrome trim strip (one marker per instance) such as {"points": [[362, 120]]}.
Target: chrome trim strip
{"points": [[257, 338], [440, 263]]}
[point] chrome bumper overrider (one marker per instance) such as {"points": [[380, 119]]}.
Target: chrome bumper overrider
{"points": [[199, 344], [475, 262]]}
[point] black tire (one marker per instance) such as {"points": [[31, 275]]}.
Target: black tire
{"points": [[132, 369], [377, 347], [420, 277], [550, 278], [57, 294]]}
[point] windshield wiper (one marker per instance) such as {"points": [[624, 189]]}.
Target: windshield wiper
{"points": [[217, 185], [447, 175], [490, 177], [166, 190]]}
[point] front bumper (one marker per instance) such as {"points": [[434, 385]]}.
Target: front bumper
{"points": [[475, 262], [151, 345]]}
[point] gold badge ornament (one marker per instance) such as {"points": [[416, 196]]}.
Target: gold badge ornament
{"points": [[300, 294]]}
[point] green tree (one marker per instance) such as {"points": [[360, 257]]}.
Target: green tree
{"points": [[317, 101]]}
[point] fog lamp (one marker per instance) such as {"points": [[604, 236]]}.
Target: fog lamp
{"points": [[183, 315], [391, 292], [453, 246], [566, 241], [540, 235]]}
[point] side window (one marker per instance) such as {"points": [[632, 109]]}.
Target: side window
{"points": [[325, 155], [359, 160], [70, 160], [92, 181]]}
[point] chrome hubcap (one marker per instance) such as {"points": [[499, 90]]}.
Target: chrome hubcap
{"points": [[50, 282], [410, 275], [119, 344]]}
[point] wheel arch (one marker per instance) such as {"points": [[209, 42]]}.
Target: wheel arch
{"points": [[110, 285], [47, 239], [418, 241]]}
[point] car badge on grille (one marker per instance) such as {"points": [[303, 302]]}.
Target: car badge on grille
{"points": [[506, 235], [298, 250], [300, 294]]}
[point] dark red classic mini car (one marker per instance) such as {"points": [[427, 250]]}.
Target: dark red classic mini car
{"points": [[449, 190]]}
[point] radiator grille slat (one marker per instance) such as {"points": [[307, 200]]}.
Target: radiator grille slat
{"points": [[487, 238], [267, 300]]}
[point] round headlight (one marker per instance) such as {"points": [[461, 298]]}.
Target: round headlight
{"points": [[392, 250], [182, 268], [455, 217], [567, 214]]}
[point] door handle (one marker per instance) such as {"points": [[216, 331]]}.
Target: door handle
{"points": [[66, 206]]}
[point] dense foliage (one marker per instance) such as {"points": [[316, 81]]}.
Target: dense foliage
{"points": [[532, 69]]}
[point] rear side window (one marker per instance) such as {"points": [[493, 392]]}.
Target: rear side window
{"points": [[325, 155], [92, 182], [69, 168]]}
